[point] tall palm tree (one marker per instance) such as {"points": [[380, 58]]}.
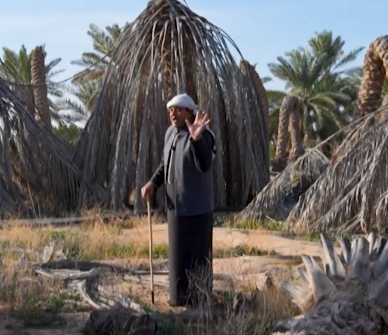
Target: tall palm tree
{"points": [[17, 68], [104, 43], [86, 85], [324, 43], [280, 160], [320, 92], [84, 97]]}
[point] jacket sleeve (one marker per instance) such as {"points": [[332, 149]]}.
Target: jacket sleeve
{"points": [[158, 177], [202, 151]]}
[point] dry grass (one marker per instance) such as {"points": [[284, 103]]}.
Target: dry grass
{"points": [[42, 302], [245, 311], [100, 241]]}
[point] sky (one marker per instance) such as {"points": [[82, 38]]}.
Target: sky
{"points": [[262, 29]]}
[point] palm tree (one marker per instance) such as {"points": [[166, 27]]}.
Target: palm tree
{"points": [[323, 43], [84, 98], [104, 43], [280, 160], [16, 68], [86, 84], [321, 90]]}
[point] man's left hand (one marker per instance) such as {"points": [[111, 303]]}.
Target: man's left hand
{"points": [[198, 126]]}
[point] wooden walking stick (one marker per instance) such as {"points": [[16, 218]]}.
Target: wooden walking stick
{"points": [[150, 252]]}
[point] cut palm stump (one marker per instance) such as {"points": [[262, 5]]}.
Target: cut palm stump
{"points": [[348, 296]]}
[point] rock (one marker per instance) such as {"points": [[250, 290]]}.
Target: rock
{"points": [[48, 252]]}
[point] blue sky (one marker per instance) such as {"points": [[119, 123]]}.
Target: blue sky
{"points": [[262, 29]]}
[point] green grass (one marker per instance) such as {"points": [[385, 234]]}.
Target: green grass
{"points": [[271, 225]]}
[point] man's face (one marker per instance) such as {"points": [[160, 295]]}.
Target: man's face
{"points": [[178, 116]]}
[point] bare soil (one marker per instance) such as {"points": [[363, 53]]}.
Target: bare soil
{"points": [[225, 237]]}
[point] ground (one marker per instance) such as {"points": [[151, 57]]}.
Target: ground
{"points": [[246, 258]]}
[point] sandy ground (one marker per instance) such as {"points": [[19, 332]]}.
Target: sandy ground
{"points": [[250, 269], [225, 237]]}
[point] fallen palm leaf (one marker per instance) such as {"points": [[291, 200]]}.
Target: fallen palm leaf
{"points": [[280, 196]]}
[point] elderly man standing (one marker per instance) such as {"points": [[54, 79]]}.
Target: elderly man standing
{"points": [[186, 171]]}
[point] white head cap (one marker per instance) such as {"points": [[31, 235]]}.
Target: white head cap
{"points": [[184, 101]]}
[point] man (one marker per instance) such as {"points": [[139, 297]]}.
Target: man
{"points": [[186, 171]]}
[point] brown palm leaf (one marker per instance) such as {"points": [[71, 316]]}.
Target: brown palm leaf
{"points": [[351, 195], [36, 174], [279, 197]]}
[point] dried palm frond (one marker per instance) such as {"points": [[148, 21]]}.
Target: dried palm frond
{"points": [[167, 50], [351, 195], [36, 173], [249, 70], [278, 198], [346, 296]]}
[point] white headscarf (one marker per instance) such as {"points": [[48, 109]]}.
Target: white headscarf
{"points": [[185, 101]]}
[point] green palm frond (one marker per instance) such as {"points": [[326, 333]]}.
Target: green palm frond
{"points": [[316, 76], [17, 68]]}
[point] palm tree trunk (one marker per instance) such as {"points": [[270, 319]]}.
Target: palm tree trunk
{"points": [[38, 75], [374, 72], [308, 137], [297, 148], [280, 160]]}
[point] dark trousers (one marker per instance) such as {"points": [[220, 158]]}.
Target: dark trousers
{"points": [[190, 241]]}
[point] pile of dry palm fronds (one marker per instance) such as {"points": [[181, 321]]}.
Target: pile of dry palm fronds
{"points": [[167, 50], [280, 196], [352, 194], [36, 173]]}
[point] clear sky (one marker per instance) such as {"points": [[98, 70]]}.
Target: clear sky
{"points": [[262, 29]]}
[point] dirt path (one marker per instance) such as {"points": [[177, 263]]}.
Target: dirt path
{"points": [[225, 238]]}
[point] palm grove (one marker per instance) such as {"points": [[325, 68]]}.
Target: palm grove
{"points": [[320, 95]]}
